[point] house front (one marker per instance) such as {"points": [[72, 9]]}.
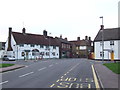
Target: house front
{"points": [[31, 46], [81, 48], [109, 45], [64, 47]]}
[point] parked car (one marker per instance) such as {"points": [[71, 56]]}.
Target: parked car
{"points": [[8, 58]]}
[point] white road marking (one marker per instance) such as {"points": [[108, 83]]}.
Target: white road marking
{"points": [[50, 65], [62, 77], [65, 74], [42, 68], [70, 85], [26, 74], [57, 80], [3, 82]]}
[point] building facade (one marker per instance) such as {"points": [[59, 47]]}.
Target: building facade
{"points": [[65, 49], [111, 39], [81, 48], [31, 46], [2, 49]]}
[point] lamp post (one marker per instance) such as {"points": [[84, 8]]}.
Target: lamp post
{"points": [[102, 30], [49, 45]]}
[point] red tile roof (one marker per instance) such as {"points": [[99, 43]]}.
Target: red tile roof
{"points": [[81, 42], [28, 38]]}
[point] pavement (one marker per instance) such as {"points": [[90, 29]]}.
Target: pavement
{"points": [[5, 69], [106, 77]]}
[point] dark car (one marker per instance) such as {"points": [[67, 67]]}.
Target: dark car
{"points": [[8, 58]]}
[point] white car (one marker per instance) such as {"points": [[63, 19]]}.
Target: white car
{"points": [[8, 58]]}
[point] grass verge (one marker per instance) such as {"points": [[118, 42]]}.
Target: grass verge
{"points": [[115, 67], [5, 65]]}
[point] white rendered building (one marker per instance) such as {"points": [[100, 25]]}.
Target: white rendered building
{"points": [[31, 46], [111, 44]]}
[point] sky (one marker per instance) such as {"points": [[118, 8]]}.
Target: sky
{"points": [[69, 18]]}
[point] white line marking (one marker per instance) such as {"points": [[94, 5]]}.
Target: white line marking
{"points": [[26, 74], [3, 82], [50, 65], [70, 85], [42, 69], [65, 74], [57, 80], [62, 77]]}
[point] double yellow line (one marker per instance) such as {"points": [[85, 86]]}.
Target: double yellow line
{"points": [[95, 78]]}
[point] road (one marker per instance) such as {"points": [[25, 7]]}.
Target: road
{"points": [[59, 73]]}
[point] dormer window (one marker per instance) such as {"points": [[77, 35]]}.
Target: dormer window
{"points": [[32, 45], [111, 42], [21, 45]]}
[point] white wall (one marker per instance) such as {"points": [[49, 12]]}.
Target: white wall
{"points": [[19, 50], [2, 53], [107, 55]]}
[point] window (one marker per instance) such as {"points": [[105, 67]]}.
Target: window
{"points": [[47, 54], [53, 53], [41, 53], [62, 45], [111, 42], [100, 43], [22, 54], [101, 54], [83, 47], [32, 45], [76, 47], [47, 47], [41, 46], [21, 45], [54, 47]]}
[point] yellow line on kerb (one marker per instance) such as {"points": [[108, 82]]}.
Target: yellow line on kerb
{"points": [[52, 85], [95, 78]]}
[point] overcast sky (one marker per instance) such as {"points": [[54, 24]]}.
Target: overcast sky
{"points": [[71, 18]]}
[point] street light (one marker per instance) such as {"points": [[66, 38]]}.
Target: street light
{"points": [[102, 29], [49, 45]]}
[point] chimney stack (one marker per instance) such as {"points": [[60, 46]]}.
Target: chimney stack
{"points": [[23, 30], [101, 27], [78, 38], [66, 39], [90, 38], [45, 33], [60, 36], [86, 37], [9, 40]]}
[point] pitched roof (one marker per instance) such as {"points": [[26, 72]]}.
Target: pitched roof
{"points": [[109, 34], [28, 38], [81, 42], [61, 40]]}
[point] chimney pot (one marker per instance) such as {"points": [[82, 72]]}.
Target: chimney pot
{"points": [[86, 37], [23, 30], [60, 36], [65, 38], [45, 33], [89, 38], [101, 27], [78, 38]]}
